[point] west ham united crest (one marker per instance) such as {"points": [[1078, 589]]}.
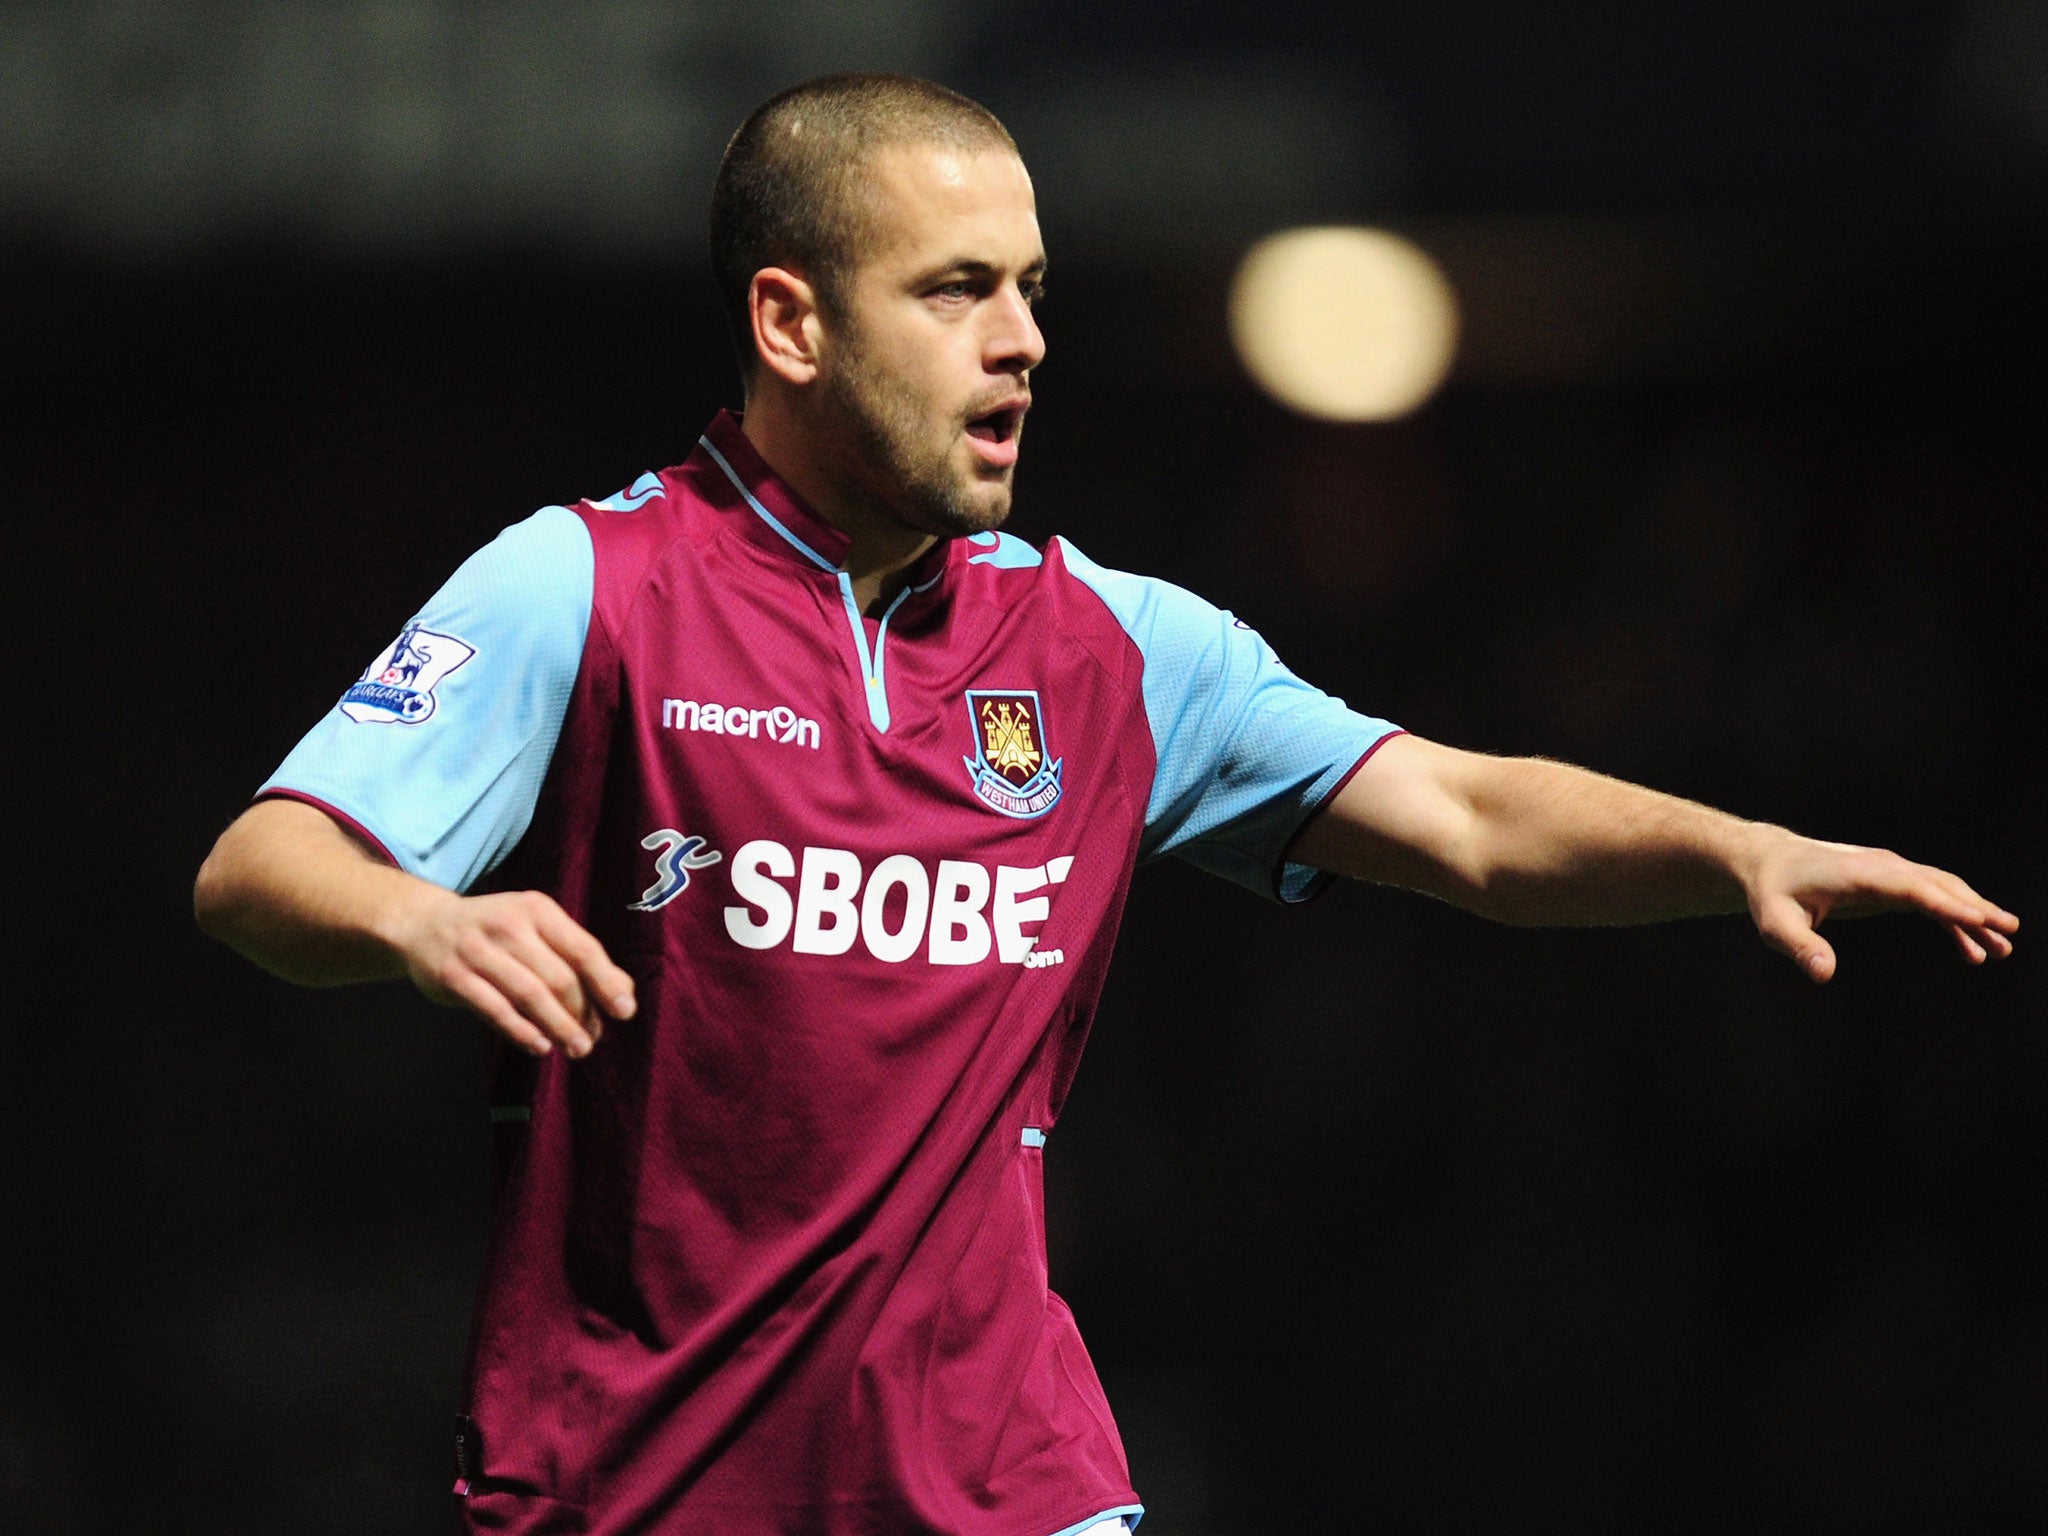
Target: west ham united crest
{"points": [[1010, 769]]}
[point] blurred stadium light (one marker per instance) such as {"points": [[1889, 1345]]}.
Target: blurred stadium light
{"points": [[1344, 324]]}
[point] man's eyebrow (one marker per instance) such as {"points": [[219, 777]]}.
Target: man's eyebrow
{"points": [[975, 266]]}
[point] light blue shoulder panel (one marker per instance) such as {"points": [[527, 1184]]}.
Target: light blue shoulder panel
{"points": [[440, 748], [1247, 750], [1004, 551]]}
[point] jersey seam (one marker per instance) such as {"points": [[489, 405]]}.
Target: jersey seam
{"points": [[1129, 643], [1168, 844], [1141, 804], [642, 588]]}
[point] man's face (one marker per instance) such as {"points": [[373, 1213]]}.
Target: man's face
{"points": [[927, 358]]}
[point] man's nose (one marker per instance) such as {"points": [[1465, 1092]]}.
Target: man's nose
{"points": [[1015, 343]]}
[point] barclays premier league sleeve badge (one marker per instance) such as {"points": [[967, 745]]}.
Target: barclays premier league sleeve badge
{"points": [[399, 686]]}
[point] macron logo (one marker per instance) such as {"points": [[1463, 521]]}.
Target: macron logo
{"points": [[781, 723]]}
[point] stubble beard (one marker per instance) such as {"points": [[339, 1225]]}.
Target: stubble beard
{"points": [[885, 420]]}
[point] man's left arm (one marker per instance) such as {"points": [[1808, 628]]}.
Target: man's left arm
{"points": [[1529, 841]]}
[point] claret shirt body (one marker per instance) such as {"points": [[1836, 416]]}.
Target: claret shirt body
{"points": [[772, 1258]]}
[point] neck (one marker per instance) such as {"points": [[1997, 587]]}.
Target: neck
{"points": [[881, 549]]}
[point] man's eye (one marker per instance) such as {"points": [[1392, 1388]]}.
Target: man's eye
{"points": [[1034, 292], [953, 290]]}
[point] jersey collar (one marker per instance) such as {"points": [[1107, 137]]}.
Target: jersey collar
{"points": [[779, 520], [772, 514]]}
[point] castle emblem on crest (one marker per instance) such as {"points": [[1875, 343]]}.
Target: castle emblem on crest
{"points": [[398, 686], [1009, 769]]}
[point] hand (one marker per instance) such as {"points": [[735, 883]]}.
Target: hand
{"points": [[1796, 883], [521, 963]]}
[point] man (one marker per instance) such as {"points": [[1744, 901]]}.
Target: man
{"points": [[813, 798]]}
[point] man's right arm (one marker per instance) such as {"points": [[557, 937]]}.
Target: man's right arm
{"points": [[287, 886], [417, 785]]}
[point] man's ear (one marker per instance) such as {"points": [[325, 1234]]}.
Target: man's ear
{"points": [[783, 309]]}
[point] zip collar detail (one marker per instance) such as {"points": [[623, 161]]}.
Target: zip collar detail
{"points": [[777, 520]]}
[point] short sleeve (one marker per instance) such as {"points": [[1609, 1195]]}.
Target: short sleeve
{"points": [[1246, 750], [438, 751]]}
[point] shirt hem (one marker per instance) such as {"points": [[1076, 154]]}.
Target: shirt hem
{"points": [[348, 822], [1320, 882], [1130, 1512]]}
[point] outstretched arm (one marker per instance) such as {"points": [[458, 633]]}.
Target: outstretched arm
{"points": [[293, 891], [1528, 841]]}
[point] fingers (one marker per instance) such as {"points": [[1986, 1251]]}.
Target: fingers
{"points": [[486, 1001], [1981, 929], [1980, 943], [522, 964], [610, 987], [1824, 879], [1788, 928], [1950, 900], [546, 989]]}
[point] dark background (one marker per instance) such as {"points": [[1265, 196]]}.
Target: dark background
{"points": [[1374, 1215]]}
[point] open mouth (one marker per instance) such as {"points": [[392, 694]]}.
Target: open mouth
{"points": [[998, 426]]}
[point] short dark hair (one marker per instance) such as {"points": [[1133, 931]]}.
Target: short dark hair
{"points": [[788, 190]]}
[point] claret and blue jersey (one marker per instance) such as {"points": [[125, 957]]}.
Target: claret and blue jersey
{"points": [[772, 1258]]}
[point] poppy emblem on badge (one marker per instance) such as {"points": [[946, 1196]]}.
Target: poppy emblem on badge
{"points": [[1011, 769]]}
